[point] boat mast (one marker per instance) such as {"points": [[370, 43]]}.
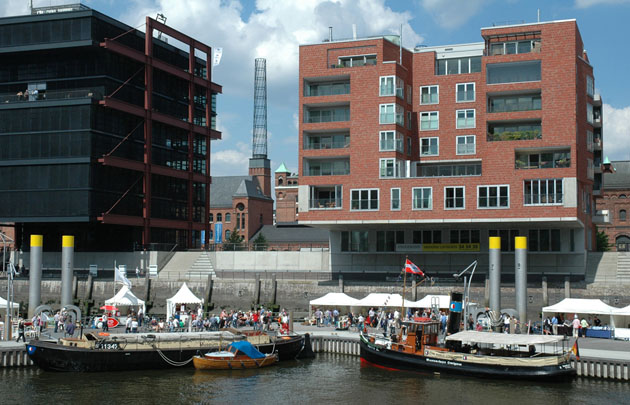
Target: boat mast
{"points": [[402, 305]]}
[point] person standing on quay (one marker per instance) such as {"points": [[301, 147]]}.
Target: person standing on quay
{"points": [[576, 326], [21, 331], [105, 325]]}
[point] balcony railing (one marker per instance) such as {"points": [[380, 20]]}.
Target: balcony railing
{"points": [[515, 135], [327, 145], [325, 203], [50, 95]]}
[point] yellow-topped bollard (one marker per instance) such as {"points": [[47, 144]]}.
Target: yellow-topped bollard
{"points": [[494, 273], [35, 274], [520, 279], [67, 269]]}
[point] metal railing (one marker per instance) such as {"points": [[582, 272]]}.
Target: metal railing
{"points": [[325, 203], [327, 145], [267, 247], [47, 95]]}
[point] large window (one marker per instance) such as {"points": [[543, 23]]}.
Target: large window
{"points": [[465, 118], [522, 102], [387, 86], [422, 198], [466, 145], [454, 198], [589, 113], [465, 92], [395, 199], [429, 146], [493, 196], [464, 235], [354, 241], [326, 88], [449, 170], [429, 94], [326, 167], [590, 86], [543, 192], [390, 168], [327, 114], [358, 60], [325, 197], [327, 141], [456, 66], [515, 47], [391, 141], [429, 120], [543, 160], [427, 236], [364, 199], [514, 72], [386, 240], [514, 131], [544, 240], [391, 114]]}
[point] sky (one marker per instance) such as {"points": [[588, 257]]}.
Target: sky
{"points": [[274, 29]]}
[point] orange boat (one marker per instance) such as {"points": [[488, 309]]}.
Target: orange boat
{"points": [[239, 355]]}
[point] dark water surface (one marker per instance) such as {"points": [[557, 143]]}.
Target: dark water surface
{"points": [[327, 379]]}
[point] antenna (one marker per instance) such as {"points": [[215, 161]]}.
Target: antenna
{"points": [[160, 18], [259, 147]]}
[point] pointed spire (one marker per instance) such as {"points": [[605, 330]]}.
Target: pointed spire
{"points": [[282, 169]]}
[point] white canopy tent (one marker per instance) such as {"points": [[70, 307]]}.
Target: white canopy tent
{"points": [[382, 300], [444, 301], [581, 306], [183, 296], [334, 300], [4, 304], [125, 298], [621, 318]]}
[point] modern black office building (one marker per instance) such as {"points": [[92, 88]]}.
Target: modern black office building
{"points": [[104, 131]]}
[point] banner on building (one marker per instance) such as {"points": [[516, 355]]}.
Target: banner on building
{"points": [[218, 52], [218, 232]]}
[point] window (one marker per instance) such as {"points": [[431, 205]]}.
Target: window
{"points": [[622, 215], [515, 72], [427, 236], [325, 197], [327, 141], [228, 217], [211, 217], [386, 240], [389, 168], [327, 114], [507, 238], [543, 192], [390, 141], [464, 235], [589, 113], [395, 199], [429, 146], [545, 160], [429, 94], [521, 102], [409, 96], [589, 141], [429, 120], [326, 167], [354, 241], [422, 198], [358, 60], [544, 240], [326, 88], [454, 198], [515, 47], [387, 86], [238, 220], [408, 145], [590, 86], [590, 169], [227, 234], [363, 199], [409, 115], [514, 131], [466, 145], [219, 217], [391, 114], [465, 92], [493, 197], [465, 118], [456, 66]]}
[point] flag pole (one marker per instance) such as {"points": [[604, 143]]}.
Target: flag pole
{"points": [[402, 305]]}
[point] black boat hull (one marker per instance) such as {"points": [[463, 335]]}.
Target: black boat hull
{"points": [[51, 356], [288, 349], [411, 362]]}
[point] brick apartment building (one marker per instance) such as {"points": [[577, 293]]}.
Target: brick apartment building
{"points": [[615, 199], [427, 152]]}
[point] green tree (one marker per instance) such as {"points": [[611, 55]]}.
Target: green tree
{"points": [[260, 243], [602, 242], [234, 242]]}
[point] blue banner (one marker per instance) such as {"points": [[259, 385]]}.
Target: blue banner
{"points": [[203, 238], [218, 232], [456, 306]]}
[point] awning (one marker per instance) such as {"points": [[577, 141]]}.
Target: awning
{"points": [[426, 302], [4, 303], [471, 336], [580, 306], [381, 300], [125, 297], [335, 299]]}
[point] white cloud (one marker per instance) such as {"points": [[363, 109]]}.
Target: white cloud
{"points": [[616, 131], [453, 13], [590, 3]]}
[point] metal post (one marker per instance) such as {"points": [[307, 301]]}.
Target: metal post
{"points": [[567, 287], [11, 269], [35, 274], [495, 273], [545, 292], [520, 278], [67, 269], [466, 298]]}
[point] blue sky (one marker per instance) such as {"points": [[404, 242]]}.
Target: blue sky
{"points": [[273, 29]]}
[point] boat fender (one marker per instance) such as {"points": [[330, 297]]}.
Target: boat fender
{"points": [[103, 334]]}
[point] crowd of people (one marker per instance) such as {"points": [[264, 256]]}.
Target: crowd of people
{"points": [[556, 324]]}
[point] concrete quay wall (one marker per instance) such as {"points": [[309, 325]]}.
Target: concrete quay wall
{"points": [[295, 295]]}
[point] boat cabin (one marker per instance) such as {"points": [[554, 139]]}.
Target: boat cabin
{"points": [[415, 335]]}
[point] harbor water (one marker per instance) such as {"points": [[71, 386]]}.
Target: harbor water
{"points": [[327, 379]]}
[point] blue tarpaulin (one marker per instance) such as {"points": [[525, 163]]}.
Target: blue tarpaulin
{"points": [[247, 349]]}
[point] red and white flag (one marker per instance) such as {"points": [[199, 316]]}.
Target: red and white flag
{"points": [[412, 268]]}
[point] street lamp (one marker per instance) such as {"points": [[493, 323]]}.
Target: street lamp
{"points": [[10, 272], [457, 276]]}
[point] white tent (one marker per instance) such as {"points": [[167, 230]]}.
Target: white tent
{"points": [[183, 296], [444, 301], [581, 306], [4, 303], [125, 298], [381, 300], [334, 300], [621, 319]]}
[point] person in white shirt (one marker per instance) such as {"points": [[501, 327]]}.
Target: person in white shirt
{"points": [[134, 326], [128, 325]]}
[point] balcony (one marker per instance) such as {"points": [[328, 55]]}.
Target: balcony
{"points": [[514, 132], [355, 61], [329, 141], [48, 95], [327, 167], [601, 217], [325, 197], [314, 88], [525, 102], [326, 114]]}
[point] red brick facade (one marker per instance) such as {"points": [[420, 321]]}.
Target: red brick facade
{"points": [[562, 88]]}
